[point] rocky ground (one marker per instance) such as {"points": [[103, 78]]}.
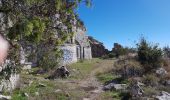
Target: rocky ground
{"points": [[82, 84], [96, 79]]}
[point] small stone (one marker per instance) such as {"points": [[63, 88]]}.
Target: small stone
{"points": [[115, 86], [161, 72], [37, 93], [26, 94], [86, 99], [41, 85], [30, 82], [58, 90]]}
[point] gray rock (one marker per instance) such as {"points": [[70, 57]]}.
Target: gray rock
{"points": [[161, 72], [2, 97], [58, 90], [41, 85], [167, 82], [113, 86], [61, 72], [37, 93], [136, 89], [164, 96], [11, 84], [26, 94]]}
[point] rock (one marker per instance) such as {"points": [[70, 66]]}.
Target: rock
{"points": [[26, 94], [136, 89], [86, 98], [114, 86], [61, 72], [2, 97], [41, 85], [58, 90], [161, 72], [164, 96], [30, 83], [27, 66], [36, 93], [11, 84], [167, 82], [120, 86]]}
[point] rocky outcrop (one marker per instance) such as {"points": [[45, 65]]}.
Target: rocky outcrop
{"points": [[161, 72], [98, 49], [11, 84], [164, 96]]}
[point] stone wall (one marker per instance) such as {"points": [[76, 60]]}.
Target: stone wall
{"points": [[11, 84], [87, 52], [69, 54]]}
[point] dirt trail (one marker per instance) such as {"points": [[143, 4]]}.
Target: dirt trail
{"points": [[91, 84]]}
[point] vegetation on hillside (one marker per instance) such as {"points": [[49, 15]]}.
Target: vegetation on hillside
{"points": [[42, 23]]}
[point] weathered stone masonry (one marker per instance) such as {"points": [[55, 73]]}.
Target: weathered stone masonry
{"points": [[77, 48]]}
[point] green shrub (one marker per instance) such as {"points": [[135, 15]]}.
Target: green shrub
{"points": [[151, 80], [166, 51], [149, 55]]}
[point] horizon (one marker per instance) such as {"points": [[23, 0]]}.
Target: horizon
{"points": [[123, 22]]}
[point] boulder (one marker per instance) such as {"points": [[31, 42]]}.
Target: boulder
{"points": [[114, 86], [161, 72], [2, 97], [164, 96], [136, 89], [61, 72]]}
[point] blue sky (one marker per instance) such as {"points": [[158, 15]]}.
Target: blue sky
{"points": [[123, 21]]}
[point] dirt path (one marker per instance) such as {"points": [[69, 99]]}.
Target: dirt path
{"points": [[91, 84]]}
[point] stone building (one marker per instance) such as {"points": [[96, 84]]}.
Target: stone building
{"points": [[76, 48]]}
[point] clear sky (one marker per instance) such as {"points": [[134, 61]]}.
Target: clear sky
{"points": [[123, 21]]}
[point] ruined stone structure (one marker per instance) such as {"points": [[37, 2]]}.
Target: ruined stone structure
{"points": [[98, 49], [76, 48]]}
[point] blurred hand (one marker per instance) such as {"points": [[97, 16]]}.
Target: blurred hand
{"points": [[3, 49]]}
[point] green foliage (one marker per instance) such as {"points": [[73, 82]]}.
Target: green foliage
{"points": [[49, 59], [119, 51], [166, 51], [30, 29], [33, 21], [149, 55]]}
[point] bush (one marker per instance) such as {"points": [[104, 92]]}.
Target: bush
{"points": [[128, 68], [151, 80], [166, 52], [150, 56]]}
